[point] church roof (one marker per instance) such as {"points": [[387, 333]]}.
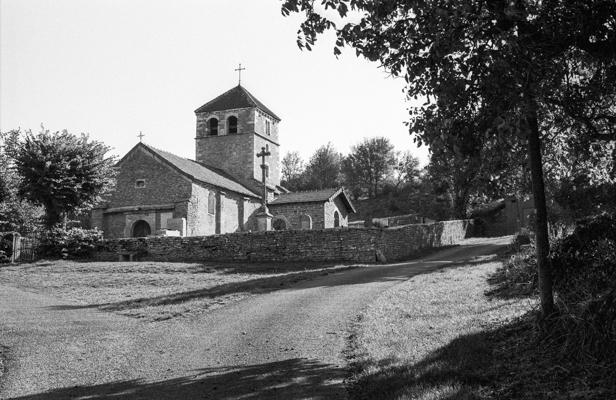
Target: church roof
{"points": [[314, 196], [199, 172], [238, 97]]}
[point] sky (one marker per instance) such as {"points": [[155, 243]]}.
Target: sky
{"points": [[113, 68]]}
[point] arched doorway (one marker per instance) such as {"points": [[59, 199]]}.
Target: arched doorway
{"points": [[141, 229]]}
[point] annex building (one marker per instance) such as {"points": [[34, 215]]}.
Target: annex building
{"points": [[221, 191]]}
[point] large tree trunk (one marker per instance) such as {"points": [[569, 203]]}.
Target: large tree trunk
{"points": [[542, 244]]}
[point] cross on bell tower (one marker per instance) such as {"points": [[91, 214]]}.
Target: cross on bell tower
{"points": [[239, 69]]}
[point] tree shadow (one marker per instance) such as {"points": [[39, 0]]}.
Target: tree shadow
{"points": [[506, 363], [399, 271], [252, 286], [297, 378]]}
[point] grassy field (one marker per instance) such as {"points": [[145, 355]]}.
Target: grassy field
{"points": [[433, 337], [156, 290]]}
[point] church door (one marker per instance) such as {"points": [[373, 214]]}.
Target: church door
{"points": [[141, 229]]}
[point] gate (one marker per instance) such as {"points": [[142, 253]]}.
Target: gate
{"points": [[16, 248]]}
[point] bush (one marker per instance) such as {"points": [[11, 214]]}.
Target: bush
{"points": [[584, 262], [584, 266], [65, 243], [6, 247]]}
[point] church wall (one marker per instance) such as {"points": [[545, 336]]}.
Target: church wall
{"points": [[245, 123], [163, 185], [260, 128], [199, 222], [292, 213], [119, 224], [232, 153], [333, 206]]}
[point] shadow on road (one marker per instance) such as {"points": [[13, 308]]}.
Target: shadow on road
{"points": [[288, 379]]}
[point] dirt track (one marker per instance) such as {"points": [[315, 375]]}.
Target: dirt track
{"points": [[286, 344]]}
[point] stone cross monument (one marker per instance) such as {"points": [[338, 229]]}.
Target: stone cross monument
{"points": [[264, 218]]}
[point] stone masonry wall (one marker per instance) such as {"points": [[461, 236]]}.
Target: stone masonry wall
{"points": [[354, 245], [162, 184], [292, 213]]}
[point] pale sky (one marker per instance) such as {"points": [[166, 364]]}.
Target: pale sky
{"points": [[112, 68]]}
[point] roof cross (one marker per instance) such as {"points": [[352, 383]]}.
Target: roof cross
{"points": [[239, 69], [140, 136]]}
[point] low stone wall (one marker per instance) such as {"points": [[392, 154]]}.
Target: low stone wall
{"points": [[341, 244]]}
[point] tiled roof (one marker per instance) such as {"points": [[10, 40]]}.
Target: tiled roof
{"points": [[313, 197], [238, 97], [200, 172]]}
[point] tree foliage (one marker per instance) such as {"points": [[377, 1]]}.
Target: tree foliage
{"points": [[60, 171], [292, 171], [369, 166], [323, 168], [509, 63], [16, 214]]}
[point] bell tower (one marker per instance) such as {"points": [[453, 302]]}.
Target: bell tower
{"points": [[231, 130]]}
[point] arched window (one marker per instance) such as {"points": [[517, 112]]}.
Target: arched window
{"points": [[232, 124], [213, 125], [336, 219], [141, 229], [305, 221], [211, 203]]}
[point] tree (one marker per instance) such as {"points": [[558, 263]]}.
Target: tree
{"points": [[513, 59], [323, 169], [16, 214], [292, 171], [370, 164], [406, 171], [60, 171]]}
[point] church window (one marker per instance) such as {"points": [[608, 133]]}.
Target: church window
{"points": [[305, 221], [213, 124], [139, 183], [336, 219], [268, 126], [211, 203], [232, 124]]}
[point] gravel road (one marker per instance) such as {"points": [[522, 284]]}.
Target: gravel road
{"points": [[286, 344]]}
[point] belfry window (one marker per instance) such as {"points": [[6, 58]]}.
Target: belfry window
{"points": [[232, 124], [268, 127], [213, 125]]}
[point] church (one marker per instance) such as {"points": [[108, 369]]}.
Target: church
{"points": [[233, 185]]}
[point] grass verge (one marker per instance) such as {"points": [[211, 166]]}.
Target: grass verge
{"points": [[156, 290], [461, 334]]}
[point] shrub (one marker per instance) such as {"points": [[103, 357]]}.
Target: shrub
{"points": [[61, 242], [584, 265], [6, 247], [584, 262]]}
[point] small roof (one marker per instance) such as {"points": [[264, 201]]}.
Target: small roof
{"points": [[197, 171], [315, 196], [238, 97]]}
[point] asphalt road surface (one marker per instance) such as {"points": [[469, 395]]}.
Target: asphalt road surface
{"points": [[286, 344]]}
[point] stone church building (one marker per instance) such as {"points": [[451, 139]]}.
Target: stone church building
{"points": [[221, 190]]}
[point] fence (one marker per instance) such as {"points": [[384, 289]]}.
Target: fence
{"points": [[16, 248]]}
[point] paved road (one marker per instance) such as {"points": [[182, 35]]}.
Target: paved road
{"points": [[286, 344]]}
